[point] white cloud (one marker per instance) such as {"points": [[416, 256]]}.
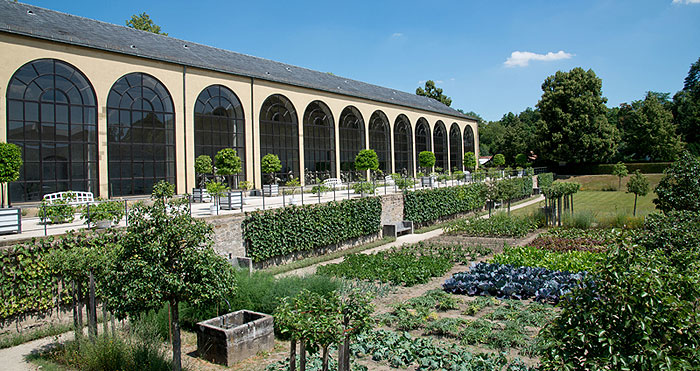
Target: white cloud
{"points": [[439, 82], [396, 34], [686, 1], [522, 59]]}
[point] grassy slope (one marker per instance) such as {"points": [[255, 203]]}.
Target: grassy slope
{"points": [[608, 182], [603, 204]]}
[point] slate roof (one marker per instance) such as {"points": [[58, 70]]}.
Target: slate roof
{"points": [[32, 21]]}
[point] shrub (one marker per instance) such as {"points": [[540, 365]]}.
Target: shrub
{"points": [[270, 164], [498, 225], [679, 189], [580, 219], [282, 231], [426, 160], [57, 212], [469, 161], [103, 210], [427, 205], [202, 167], [366, 159], [364, 188], [499, 160], [545, 180]]}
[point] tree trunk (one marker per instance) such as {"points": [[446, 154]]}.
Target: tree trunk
{"points": [[80, 308], [508, 207], [175, 328], [346, 351], [341, 358], [634, 213], [293, 355], [324, 366], [92, 312], [559, 211], [105, 322], [114, 331], [302, 355], [572, 204], [77, 329]]}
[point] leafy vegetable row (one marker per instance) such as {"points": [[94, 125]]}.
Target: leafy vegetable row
{"points": [[530, 256], [498, 225]]}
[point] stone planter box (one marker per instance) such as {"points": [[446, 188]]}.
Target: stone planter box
{"points": [[10, 220], [235, 336], [271, 189]]}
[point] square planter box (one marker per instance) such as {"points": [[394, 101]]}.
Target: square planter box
{"points": [[200, 195], [231, 200], [428, 181], [271, 189], [10, 220], [235, 336]]}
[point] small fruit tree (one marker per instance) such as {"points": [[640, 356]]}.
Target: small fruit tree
{"points": [[620, 171], [469, 161], [227, 163], [270, 164], [426, 160], [10, 163], [639, 185], [202, 167], [166, 257], [499, 160]]}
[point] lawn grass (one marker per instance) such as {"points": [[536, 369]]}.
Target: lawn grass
{"points": [[603, 204], [607, 182], [303, 263]]}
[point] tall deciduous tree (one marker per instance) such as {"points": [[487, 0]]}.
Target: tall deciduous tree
{"points": [[648, 131], [686, 109], [144, 22], [679, 189], [574, 126], [432, 91], [166, 257]]}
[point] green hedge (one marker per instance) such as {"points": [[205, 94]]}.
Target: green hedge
{"points": [[599, 169], [278, 232], [427, 205]]}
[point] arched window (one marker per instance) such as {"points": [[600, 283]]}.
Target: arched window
{"points": [[422, 137], [351, 130], [455, 148], [219, 123], [380, 140], [440, 143], [469, 140], [403, 146], [52, 117], [319, 142], [140, 135], [279, 132]]}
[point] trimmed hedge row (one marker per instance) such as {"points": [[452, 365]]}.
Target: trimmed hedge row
{"points": [[278, 232], [427, 205]]}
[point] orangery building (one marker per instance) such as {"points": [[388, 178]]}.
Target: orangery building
{"points": [[112, 110]]}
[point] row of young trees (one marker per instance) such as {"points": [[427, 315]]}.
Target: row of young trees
{"points": [[572, 123]]}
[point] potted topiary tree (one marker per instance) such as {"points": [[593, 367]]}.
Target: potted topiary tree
{"points": [[270, 164], [202, 167], [216, 190], [227, 163], [10, 163], [469, 162], [366, 159], [426, 160]]}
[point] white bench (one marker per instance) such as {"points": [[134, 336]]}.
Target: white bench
{"points": [[74, 198], [389, 180], [332, 183]]}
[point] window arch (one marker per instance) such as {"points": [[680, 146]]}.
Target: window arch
{"points": [[469, 140], [403, 146], [455, 147], [52, 117], [440, 145], [380, 139], [140, 135], [279, 132], [219, 123], [351, 129], [422, 137], [319, 142]]}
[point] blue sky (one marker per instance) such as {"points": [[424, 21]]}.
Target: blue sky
{"points": [[465, 46]]}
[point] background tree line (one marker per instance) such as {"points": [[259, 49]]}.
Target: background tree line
{"points": [[571, 123]]}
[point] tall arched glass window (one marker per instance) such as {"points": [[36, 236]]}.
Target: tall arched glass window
{"points": [[52, 117], [380, 140], [351, 130], [455, 147], [219, 123], [140, 135], [422, 137], [279, 132], [469, 140], [440, 146], [403, 146], [319, 142]]}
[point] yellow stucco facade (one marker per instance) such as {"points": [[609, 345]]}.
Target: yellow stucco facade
{"points": [[184, 85]]}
